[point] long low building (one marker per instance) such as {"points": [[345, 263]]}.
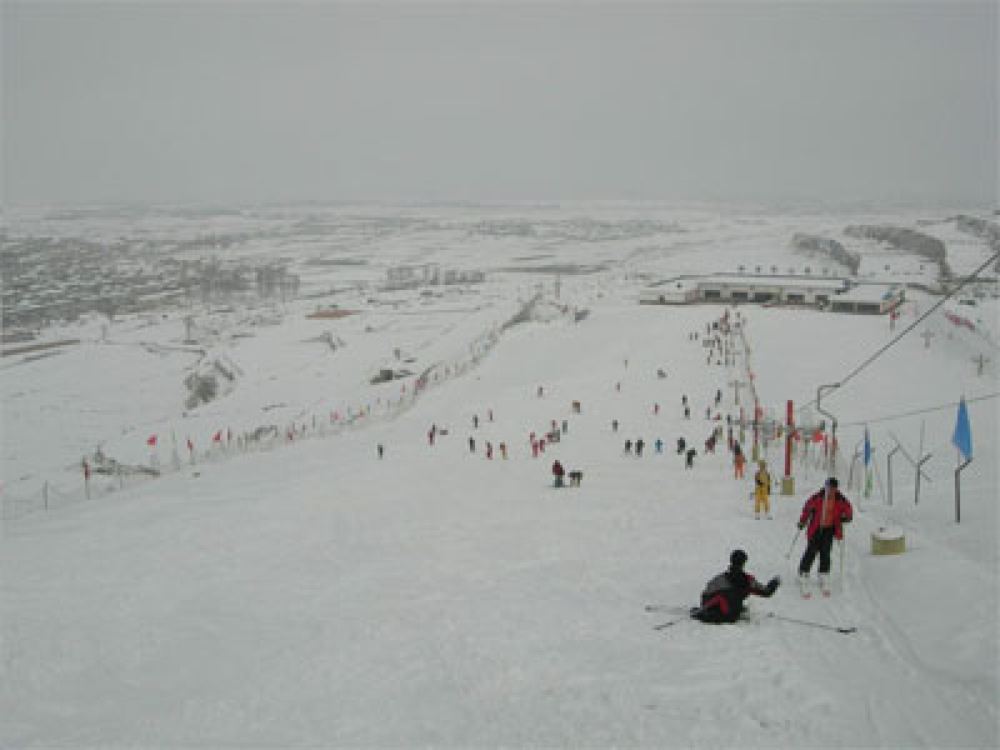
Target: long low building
{"points": [[835, 294]]}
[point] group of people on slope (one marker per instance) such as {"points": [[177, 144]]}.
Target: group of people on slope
{"points": [[823, 516]]}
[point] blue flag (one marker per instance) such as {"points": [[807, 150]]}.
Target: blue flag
{"points": [[868, 448], [962, 438]]}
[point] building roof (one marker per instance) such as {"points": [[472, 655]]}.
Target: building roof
{"points": [[870, 293], [754, 280]]}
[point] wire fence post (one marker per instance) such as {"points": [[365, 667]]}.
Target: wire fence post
{"points": [[958, 490], [888, 468]]}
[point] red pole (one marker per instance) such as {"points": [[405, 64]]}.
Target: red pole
{"points": [[756, 429]]}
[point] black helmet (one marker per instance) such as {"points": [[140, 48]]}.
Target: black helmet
{"points": [[738, 558], [832, 483]]}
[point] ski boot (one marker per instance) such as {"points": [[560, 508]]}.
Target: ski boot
{"points": [[824, 584], [804, 586]]}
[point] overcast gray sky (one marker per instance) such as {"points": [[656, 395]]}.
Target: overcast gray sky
{"points": [[744, 101]]}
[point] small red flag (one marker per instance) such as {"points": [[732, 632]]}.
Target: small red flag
{"points": [[818, 436], [151, 440], [217, 438]]}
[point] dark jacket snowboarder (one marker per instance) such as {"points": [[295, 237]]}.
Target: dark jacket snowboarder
{"points": [[722, 599]]}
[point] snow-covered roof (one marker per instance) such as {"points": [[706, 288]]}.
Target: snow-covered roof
{"points": [[757, 280], [870, 293]]}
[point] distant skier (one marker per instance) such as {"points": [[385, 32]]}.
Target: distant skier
{"points": [[472, 444], [739, 460], [639, 445], [475, 421], [722, 599], [710, 444], [628, 447], [381, 450], [681, 445], [489, 450], [689, 458], [658, 445], [614, 425], [762, 490], [824, 512], [503, 451], [558, 472]]}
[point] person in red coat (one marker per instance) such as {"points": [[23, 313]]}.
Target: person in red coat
{"points": [[558, 472], [825, 513]]}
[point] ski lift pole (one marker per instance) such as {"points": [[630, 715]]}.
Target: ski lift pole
{"points": [[833, 421]]}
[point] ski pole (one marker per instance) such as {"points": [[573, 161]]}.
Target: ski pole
{"points": [[812, 624], [840, 542], [792, 545], [670, 623]]}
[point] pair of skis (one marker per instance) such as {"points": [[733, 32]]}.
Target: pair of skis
{"points": [[774, 615], [806, 593]]}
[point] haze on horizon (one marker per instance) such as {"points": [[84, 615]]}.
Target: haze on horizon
{"points": [[810, 102]]}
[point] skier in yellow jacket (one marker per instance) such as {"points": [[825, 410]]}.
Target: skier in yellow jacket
{"points": [[762, 490]]}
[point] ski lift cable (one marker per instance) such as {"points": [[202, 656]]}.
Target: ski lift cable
{"points": [[882, 350], [916, 412]]}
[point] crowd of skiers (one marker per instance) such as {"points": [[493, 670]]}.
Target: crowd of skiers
{"points": [[822, 517]]}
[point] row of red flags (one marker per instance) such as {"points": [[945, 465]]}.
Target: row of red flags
{"points": [[216, 438]]}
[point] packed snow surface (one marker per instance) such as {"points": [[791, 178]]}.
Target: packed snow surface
{"points": [[299, 590]]}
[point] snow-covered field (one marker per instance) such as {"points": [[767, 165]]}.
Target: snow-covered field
{"points": [[299, 591]]}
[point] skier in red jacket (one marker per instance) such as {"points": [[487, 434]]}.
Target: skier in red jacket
{"points": [[824, 513], [558, 472]]}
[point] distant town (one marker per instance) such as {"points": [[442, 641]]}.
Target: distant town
{"points": [[49, 280]]}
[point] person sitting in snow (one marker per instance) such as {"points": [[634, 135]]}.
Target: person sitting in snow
{"points": [[722, 599]]}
